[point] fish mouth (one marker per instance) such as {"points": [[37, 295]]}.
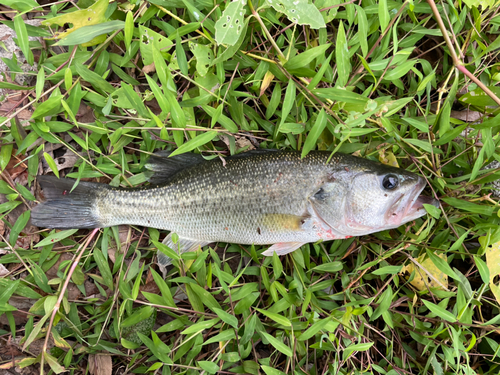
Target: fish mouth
{"points": [[411, 207]]}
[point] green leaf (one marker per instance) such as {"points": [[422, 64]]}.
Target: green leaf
{"points": [[226, 317], [22, 39], [181, 56], [303, 59], [21, 5], [166, 250], [229, 26], [41, 279], [483, 269], [299, 11], [383, 15], [94, 79], [290, 96], [52, 164], [204, 57], [13, 86], [271, 370], [150, 41], [329, 267], [87, 33], [40, 82], [206, 297], [342, 57], [226, 335], [5, 155], [278, 345], [399, 71], [19, 226], [209, 367], [362, 29], [315, 328], [129, 28], [137, 316], [280, 319], [387, 270], [469, 206], [422, 126], [164, 289], [440, 312], [314, 133], [49, 107], [222, 119], [442, 265], [198, 141], [102, 264], [53, 363], [384, 302], [356, 348], [200, 326], [432, 210], [135, 100], [341, 95], [479, 98]]}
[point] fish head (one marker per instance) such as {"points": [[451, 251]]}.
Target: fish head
{"points": [[371, 199], [385, 198]]}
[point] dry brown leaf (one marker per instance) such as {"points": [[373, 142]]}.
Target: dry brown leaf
{"points": [[149, 68], [16, 165], [124, 234], [85, 114], [100, 364], [3, 271]]}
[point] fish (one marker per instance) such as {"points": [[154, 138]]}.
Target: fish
{"points": [[259, 197]]}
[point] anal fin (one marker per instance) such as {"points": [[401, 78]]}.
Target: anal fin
{"points": [[282, 248], [183, 245]]}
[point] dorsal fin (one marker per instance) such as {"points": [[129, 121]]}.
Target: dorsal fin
{"points": [[164, 167]]}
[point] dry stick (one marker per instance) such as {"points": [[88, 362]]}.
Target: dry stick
{"points": [[456, 61], [55, 309]]}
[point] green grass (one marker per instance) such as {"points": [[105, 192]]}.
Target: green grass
{"points": [[376, 79]]}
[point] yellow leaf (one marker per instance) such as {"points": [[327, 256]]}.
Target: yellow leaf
{"points": [[93, 15], [493, 264], [387, 158], [265, 82], [427, 275]]}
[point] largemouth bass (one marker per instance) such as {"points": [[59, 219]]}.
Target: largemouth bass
{"points": [[263, 198]]}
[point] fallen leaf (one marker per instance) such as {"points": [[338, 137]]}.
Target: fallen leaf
{"points": [[100, 364], [493, 263], [387, 158], [3, 271], [422, 280], [149, 68], [124, 235], [268, 78]]}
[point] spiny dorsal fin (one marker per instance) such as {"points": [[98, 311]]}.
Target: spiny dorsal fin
{"points": [[164, 167]]}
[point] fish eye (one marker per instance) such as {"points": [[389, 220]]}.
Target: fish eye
{"points": [[390, 182]]}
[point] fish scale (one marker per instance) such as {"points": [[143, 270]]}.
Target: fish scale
{"points": [[232, 203]]}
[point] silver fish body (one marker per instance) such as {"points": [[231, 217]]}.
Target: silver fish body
{"points": [[253, 198]]}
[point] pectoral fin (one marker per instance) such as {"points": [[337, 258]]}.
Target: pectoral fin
{"points": [[183, 245], [282, 248]]}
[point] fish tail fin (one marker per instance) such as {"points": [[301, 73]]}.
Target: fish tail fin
{"points": [[65, 208]]}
